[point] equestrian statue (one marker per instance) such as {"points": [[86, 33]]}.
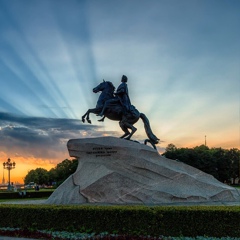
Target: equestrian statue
{"points": [[117, 107]]}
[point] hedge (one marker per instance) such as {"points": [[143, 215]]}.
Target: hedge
{"points": [[132, 220]]}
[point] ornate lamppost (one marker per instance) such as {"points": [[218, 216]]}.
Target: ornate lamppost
{"points": [[9, 166], [3, 179]]}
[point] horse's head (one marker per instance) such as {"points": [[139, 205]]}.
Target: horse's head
{"points": [[104, 86]]}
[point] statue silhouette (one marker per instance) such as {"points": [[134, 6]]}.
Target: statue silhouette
{"points": [[121, 97], [117, 107]]}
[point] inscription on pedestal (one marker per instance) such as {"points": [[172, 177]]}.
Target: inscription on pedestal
{"points": [[102, 151]]}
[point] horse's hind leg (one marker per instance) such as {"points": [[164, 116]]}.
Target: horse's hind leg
{"points": [[126, 132], [132, 128], [125, 125]]}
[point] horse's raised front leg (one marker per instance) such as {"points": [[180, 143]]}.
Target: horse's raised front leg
{"points": [[87, 114], [93, 110]]}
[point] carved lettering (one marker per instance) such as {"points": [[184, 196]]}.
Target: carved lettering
{"points": [[102, 151]]}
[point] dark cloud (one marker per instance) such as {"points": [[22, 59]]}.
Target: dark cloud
{"points": [[40, 137], [44, 123]]}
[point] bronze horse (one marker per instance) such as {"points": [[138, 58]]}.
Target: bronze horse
{"points": [[116, 112]]}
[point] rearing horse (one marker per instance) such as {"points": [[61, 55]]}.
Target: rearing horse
{"points": [[116, 112]]}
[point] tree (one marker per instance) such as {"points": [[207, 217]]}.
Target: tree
{"points": [[234, 160], [222, 164], [63, 170], [171, 151], [52, 176], [58, 174], [219, 155], [38, 176]]}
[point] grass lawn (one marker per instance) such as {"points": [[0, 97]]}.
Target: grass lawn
{"points": [[21, 199], [30, 194]]}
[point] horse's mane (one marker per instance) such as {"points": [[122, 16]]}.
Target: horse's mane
{"points": [[111, 85]]}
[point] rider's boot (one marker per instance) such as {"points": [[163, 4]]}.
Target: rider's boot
{"points": [[101, 114]]}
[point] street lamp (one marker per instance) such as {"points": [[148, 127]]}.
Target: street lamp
{"points": [[9, 166]]}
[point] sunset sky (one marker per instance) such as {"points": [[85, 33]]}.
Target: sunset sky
{"points": [[182, 59]]}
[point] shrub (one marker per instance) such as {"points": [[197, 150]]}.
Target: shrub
{"points": [[131, 220]]}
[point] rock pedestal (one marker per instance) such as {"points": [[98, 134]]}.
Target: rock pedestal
{"points": [[118, 171]]}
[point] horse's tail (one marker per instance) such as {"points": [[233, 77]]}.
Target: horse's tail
{"points": [[152, 138]]}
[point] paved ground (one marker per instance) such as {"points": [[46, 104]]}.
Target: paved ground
{"points": [[164, 204]]}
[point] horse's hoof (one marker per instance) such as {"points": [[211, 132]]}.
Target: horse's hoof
{"points": [[89, 121], [83, 120]]}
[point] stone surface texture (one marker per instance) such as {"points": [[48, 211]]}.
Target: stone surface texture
{"points": [[118, 171]]}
